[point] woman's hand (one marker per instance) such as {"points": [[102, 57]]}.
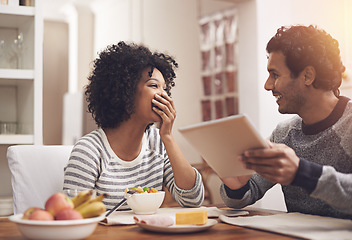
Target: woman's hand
{"points": [[164, 107], [184, 174]]}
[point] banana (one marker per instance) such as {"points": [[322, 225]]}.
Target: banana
{"points": [[100, 198], [92, 209], [97, 199], [82, 197]]}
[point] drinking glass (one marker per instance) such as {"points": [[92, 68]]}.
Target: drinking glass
{"points": [[17, 49], [73, 192], [2, 54]]}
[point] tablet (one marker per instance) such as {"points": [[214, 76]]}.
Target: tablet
{"points": [[221, 141]]}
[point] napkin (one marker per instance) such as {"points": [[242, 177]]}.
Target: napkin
{"points": [[297, 225], [126, 217], [216, 212]]}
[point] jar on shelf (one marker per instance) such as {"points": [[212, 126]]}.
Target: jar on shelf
{"points": [[4, 2], [25, 3], [8, 128]]}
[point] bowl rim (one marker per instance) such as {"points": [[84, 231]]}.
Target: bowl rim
{"points": [[134, 202], [147, 194], [17, 218]]}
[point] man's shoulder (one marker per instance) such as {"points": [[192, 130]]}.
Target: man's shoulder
{"points": [[348, 109], [285, 127], [293, 122], [344, 124]]}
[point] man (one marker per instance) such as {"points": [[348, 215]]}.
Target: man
{"points": [[310, 155]]}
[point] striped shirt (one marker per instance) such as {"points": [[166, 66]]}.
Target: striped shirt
{"points": [[94, 165]]}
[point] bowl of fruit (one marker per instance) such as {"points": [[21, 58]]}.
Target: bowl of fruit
{"points": [[62, 217], [144, 200]]}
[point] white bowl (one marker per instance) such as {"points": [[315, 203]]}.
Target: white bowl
{"points": [[56, 229], [145, 203]]}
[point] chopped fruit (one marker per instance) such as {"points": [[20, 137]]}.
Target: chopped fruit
{"points": [[142, 190]]}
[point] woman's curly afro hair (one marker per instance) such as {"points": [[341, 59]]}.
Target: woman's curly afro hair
{"points": [[116, 73], [309, 46]]}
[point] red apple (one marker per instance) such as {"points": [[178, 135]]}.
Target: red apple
{"points": [[68, 214], [29, 211], [42, 215], [58, 202]]}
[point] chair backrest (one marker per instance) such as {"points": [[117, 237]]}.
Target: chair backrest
{"points": [[37, 172]]}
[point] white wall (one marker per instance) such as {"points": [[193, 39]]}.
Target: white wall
{"points": [[112, 22], [178, 36]]}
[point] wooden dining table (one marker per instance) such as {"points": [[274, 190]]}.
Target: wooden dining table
{"points": [[9, 231]]}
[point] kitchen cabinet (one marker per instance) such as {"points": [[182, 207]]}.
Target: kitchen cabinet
{"points": [[21, 70]]}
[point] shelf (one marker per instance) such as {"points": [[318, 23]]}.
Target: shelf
{"points": [[17, 10], [16, 74], [16, 19], [21, 76], [16, 139]]}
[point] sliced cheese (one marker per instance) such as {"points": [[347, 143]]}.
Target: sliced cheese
{"points": [[191, 217]]}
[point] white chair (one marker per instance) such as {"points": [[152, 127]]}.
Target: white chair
{"points": [[37, 172]]}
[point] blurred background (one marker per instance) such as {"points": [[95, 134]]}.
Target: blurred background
{"points": [[219, 45]]}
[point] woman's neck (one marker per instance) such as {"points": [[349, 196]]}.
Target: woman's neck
{"points": [[125, 140]]}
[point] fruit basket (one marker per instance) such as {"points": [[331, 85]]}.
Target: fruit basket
{"points": [[60, 230], [62, 218]]}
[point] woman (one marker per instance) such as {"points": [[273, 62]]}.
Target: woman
{"points": [[129, 90]]}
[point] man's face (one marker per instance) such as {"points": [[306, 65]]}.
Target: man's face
{"points": [[289, 92]]}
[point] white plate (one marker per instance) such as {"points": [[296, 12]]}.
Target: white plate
{"points": [[179, 228], [64, 230]]}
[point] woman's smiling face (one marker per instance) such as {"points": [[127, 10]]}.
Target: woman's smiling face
{"points": [[146, 90]]}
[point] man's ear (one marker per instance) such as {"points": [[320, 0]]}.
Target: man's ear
{"points": [[309, 75]]}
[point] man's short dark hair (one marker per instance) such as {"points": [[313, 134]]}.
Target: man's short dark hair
{"points": [[305, 46]]}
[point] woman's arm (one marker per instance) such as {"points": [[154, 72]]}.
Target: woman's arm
{"points": [[184, 174], [186, 198], [82, 168]]}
